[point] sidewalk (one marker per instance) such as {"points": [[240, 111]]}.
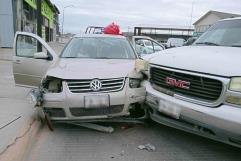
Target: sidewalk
{"points": [[6, 54], [17, 115]]}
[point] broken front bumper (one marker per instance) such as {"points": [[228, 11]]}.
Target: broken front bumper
{"points": [[222, 123], [68, 106]]}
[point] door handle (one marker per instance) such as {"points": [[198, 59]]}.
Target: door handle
{"points": [[18, 61]]}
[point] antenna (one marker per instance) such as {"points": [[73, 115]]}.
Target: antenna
{"points": [[190, 25]]}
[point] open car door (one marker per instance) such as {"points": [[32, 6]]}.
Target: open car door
{"points": [[31, 60]]}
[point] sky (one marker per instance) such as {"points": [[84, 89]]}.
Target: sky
{"points": [[130, 13]]}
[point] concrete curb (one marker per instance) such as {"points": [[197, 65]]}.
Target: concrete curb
{"points": [[18, 148], [6, 54]]}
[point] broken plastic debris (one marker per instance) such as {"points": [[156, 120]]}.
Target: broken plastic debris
{"points": [[35, 96], [141, 147], [148, 147]]}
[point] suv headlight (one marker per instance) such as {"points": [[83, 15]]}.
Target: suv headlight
{"points": [[134, 83], [235, 96], [235, 84]]}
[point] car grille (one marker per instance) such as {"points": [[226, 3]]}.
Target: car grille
{"points": [[108, 85], [76, 111], [55, 112], [200, 88]]}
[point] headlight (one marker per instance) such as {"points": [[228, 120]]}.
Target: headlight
{"points": [[141, 65], [235, 84], [53, 85], [134, 83]]}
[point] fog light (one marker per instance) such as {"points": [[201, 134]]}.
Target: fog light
{"points": [[233, 100], [134, 83]]}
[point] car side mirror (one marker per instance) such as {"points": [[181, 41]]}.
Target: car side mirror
{"points": [[41, 55]]}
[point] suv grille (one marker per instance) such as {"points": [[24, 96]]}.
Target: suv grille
{"points": [[108, 85], [201, 88]]}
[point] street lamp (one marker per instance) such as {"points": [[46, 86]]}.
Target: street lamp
{"points": [[63, 18]]}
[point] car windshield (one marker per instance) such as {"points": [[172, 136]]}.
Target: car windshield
{"points": [[223, 33], [99, 48]]}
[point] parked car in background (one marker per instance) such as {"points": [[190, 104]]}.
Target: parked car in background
{"points": [[145, 45], [190, 41], [93, 78], [175, 42], [198, 88]]}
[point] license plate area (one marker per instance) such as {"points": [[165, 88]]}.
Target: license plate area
{"points": [[96, 101], [169, 108]]}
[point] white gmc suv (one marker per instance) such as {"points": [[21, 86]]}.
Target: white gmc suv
{"points": [[198, 88]]}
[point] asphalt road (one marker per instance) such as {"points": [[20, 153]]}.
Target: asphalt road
{"points": [[73, 143]]}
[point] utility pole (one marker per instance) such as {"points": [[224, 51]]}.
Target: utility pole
{"points": [[190, 25], [39, 23], [63, 21]]}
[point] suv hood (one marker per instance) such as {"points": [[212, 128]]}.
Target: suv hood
{"points": [[75, 68], [215, 60]]}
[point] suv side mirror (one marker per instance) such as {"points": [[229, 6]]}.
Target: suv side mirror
{"points": [[41, 55]]}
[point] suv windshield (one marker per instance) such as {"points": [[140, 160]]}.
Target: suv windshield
{"points": [[99, 48], [223, 33]]}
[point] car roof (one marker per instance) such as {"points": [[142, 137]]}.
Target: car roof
{"points": [[99, 35]]}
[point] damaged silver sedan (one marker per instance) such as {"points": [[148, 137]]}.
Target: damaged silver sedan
{"points": [[95, 76]]}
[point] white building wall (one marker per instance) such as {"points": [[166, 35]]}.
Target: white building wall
{"points": [[6, 23], [210, 19], [205, 23]]}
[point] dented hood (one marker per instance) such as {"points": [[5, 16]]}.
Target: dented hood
{"points": [[215, 60], [74, 68]]}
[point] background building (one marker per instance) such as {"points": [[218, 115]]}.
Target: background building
{"points": [[162, 33], [207, 20], [21, 15]]}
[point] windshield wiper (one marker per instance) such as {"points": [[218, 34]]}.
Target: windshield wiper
{"points": [[208, 43]]}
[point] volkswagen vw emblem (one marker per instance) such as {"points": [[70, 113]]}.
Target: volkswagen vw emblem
{"points": [[95, 85]]}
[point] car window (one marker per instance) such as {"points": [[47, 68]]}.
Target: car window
{"points": [[97, 48], [148, 43], [27, 46], [144, 46], [157, 47]]}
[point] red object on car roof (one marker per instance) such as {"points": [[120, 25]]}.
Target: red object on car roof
{"points": [[112, 29]]}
